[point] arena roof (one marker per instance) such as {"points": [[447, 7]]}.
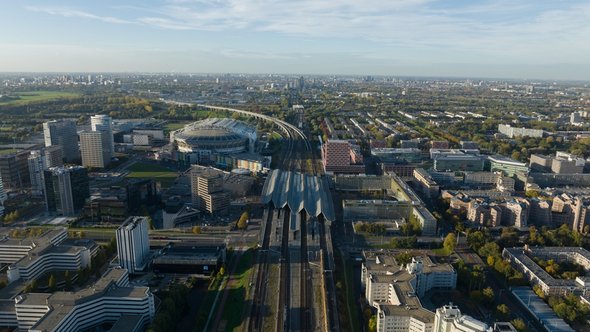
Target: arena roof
{"points": [[299, 192]]}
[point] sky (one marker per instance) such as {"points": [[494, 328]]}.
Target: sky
{"points": [[525, 39]]}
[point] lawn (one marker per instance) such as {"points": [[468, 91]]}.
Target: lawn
{"points": [[23, 98], [238, 291], [173, 126], [7, 151], [145, 170]]}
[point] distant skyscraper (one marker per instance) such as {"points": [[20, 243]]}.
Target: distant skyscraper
{"points": [[133, 245], [36, 169], [64, 134], [66, 189], [92, 147], [104, 124], [54, 156]]}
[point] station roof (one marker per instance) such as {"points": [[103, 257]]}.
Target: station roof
{"points": [[299, 192]]}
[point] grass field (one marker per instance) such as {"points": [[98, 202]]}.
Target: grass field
{"points": [[36, 96], [173, 126], [161, 174], [7, 151]]}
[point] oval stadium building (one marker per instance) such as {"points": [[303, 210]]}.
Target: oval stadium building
{"points": [[199, 140]]}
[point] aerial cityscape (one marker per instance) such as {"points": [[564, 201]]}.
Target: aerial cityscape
{"points": [[284, 166]]}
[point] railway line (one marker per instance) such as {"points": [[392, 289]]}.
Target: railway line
{"points": [[296, 309]]}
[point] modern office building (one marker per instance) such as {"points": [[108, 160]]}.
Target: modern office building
{"points": [[66, 189], [395, 290], [109, 300], [207, 190], [62, 133], [133, 245], [94, 152], [448, 318], [456, 160], [566, 163], [54, 156], [36, 169], [14, 170], [508, 166], [104, 124]]}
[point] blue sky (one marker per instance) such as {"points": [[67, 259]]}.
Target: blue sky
{"points": [[496, 38]]}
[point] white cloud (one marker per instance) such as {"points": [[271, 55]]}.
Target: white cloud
{"points": [[69, 12]]}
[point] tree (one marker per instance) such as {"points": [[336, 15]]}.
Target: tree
{"points": [[52, 283], [373, 324], [488, 295], [450, 242], [518, 324], [243, 221], [196, 230], [503, 310]]}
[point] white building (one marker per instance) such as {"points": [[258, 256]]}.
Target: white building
{"points": [[109, 300], [94, 152], [133, 245], [394, 290], [449, 319], [104, 123]]}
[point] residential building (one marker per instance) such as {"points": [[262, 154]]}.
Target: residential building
{"points": [[540, 162], [515, 213], [104, 124], [62, 133], [133, 245], [540, 214], [512, 132], [566, 163], [485, 214], [469, 145], [66, 189], [522, 259], [439, 144], [94, 152], [54, 156], [427, 185], [338, 157]]}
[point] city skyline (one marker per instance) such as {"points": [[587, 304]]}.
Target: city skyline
{"points": [[496, 39]]}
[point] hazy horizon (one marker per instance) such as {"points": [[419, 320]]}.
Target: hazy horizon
{"points": [[423, 38]]}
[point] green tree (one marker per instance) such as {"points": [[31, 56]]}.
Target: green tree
{"points": [[503, 310], [372, 324], [519, 324], [243, 221], [488, 295], [450, 242], [196, 230]]}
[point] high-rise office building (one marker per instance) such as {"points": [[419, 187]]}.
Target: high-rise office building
{"points": [[66, 189], [36, 169], [104, 123], [92, 147], [207, 189], [133, 245], [14, 169], [62, 133], [54, 156]]}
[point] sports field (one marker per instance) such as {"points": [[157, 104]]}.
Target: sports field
{"points": [[22, 98]]}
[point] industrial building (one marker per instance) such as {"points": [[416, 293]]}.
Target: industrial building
{"points": [[190, 258]]}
